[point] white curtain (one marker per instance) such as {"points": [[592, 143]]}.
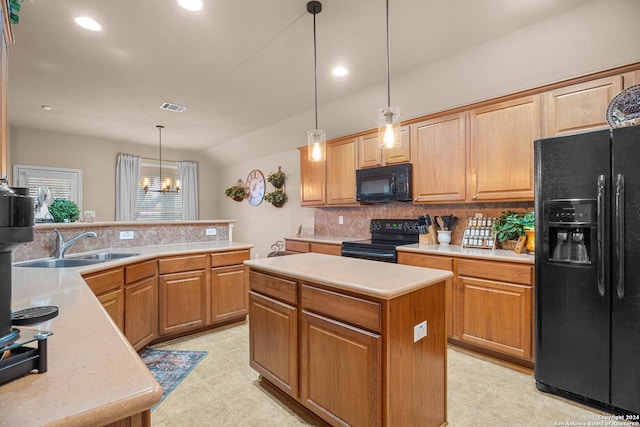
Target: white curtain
{"points": [[127, 171], [188, 176]]}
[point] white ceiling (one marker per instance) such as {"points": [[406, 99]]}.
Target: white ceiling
{"points": [[238, 65]]}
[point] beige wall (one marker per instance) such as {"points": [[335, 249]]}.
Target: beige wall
{"points": [[264, 224], [97, 159]]}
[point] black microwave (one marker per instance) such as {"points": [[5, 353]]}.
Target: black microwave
{"points": [[384, 184]]}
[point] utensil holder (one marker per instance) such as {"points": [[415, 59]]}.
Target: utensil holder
{"points": [[444, 237]]}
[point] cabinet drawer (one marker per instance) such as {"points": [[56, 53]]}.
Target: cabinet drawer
{"points": [[282, 289], [296, 246], [136, 272], [182, 263], [326, 248], [105, 281], [229, 258], [501, 271], [356, 311], [428, 261]]}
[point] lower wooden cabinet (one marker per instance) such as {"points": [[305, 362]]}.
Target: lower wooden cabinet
{"points": [[489, 304], [340, 368], [273, 334], [113, 303], [108, 287], [182, 301], [350, 358], [141, 312], [300, 246], [229, 292], [495, 306]]}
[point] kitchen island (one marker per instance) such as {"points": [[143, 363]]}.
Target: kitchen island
{"points": [[357, 342]]}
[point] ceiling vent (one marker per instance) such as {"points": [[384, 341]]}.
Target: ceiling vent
{"points": [[173, 107]]}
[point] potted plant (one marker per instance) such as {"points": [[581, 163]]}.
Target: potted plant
{"points": [[276, 198], [528, 223], [508, 227], [277, 178], [62, 210], [236, 191]]}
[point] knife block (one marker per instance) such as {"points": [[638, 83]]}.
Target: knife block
{"points": [[431, 238]]}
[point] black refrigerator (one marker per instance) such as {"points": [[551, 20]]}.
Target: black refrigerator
{"points": [[587, 268]]}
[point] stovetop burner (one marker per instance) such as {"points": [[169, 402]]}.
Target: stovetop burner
{"points": [[386, 234]]}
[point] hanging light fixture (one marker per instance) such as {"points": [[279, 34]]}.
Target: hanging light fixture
{"points": [[388, 117], [316, 138], [166, 185]]}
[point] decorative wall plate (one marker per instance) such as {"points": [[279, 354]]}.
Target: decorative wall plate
{"points": [[624, 108]]}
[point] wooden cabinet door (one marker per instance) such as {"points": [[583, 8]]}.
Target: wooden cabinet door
{"points": [[340, 371], [341, 172], [113, 303], [501, 149], [4, 162], [182, 301], [369, 152], [495, 315], [141, 311], [273, 341], [579, 108], [440, 263], [631, 78], [229, 293], [439, 157], [312, 180]]}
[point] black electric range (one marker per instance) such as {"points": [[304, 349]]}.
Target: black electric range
{"points": [[386, 234]]}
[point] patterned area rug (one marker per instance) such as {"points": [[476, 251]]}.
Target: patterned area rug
{"points": [[170, 367]]}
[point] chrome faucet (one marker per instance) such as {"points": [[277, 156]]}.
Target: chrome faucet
{"points": [[62, 246]]}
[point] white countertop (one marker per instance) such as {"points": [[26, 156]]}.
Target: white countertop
{"points": [[374, 278], [94, 376], [476, 253]]}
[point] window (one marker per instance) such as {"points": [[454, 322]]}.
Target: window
{"points": [[154, 205], [63, 183]]}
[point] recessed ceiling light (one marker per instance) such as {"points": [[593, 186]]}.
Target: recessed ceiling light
{"points": [[340, 71], [88, 23], [192, 5], [46, 107]]}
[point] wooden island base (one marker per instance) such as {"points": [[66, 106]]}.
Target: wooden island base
{"points": [[345, 350]]}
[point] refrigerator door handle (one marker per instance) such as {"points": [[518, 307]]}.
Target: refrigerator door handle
{"points": [[600, 213], [620, 234]]}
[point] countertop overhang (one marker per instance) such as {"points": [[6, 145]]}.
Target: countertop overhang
{"points": [[373, 278]]}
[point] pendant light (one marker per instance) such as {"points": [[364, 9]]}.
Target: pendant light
{"points": [[316, 138], [166, 185], [388, 117]]}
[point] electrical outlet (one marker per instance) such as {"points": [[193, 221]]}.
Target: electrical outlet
{"points": [[419, 331], [126, 235], [340, 220], [211, 231]]}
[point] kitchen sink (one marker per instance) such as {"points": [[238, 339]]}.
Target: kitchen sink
{"points": [[77, 261], [105, 256]]}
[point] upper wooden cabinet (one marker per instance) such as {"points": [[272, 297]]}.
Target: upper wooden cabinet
{"points": [[341, 172], [5, 40], [439, 154], [371, 155], [312, 180], [631, 78], [501, 149], [580, 107]]}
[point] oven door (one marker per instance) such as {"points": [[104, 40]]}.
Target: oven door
{"points": [[375, 254]]}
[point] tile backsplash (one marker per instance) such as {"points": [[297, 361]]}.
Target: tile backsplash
{"points": [[44, 237], [356, 219]]}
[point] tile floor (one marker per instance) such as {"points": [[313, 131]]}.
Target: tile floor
{"points": [[224, 391]]}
